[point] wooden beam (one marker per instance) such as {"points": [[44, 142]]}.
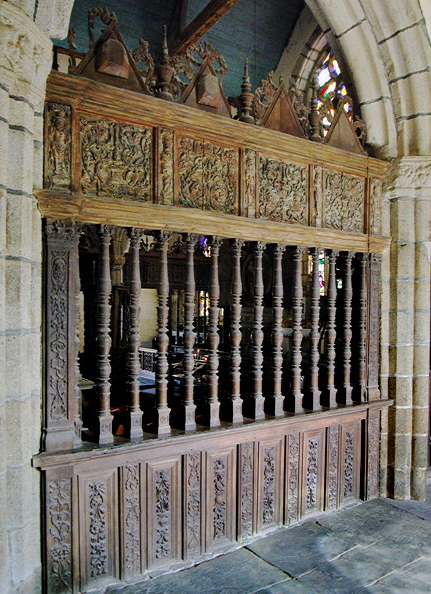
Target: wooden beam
{"points": [[207, 18]]}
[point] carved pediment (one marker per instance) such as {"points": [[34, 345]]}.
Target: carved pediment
{"points": [[280, 115], [342, 133], [204, 91]]}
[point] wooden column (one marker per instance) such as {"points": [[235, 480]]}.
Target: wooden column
{"points": [[275, 404], [60, 330], [345, 394], [134, 417], [360, 389], [296, 396], [211, 415], [255, 408], [329, 395], [188, 420], [103, 427], [374, 326], [162, 413], [312, 398], [234, 413]]}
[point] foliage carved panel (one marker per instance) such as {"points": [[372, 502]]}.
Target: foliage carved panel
{"points": [[292, 490], [98, 529], [375, 206], [283, 191], [349, 463], [249, 189], [269, 486], [165, 147], [208, 175], [116, 159], [193, 504], [344, 202], [333, 448], [312, 474], [246, 490], [132, 519], [59, 535], [373, 454], [58, 146]]}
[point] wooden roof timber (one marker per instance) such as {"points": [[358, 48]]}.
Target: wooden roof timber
{"points": [[207, 18]]}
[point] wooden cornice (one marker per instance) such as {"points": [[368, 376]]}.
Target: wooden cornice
{"points": [[207, 18]]}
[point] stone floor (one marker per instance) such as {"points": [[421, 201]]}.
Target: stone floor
{"points": [[378, 547]]}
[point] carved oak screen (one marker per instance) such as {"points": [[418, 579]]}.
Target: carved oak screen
{"points": [[211, 297]]}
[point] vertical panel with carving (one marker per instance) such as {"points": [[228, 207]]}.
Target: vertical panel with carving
{"points": [[292, 478], [375, 206], [350, 461], [374, 326], [343, 202], [220, 502], [312, 471], [58, 146], [246, 497], [332, 467], [165, 145], [269, 499], [373, 454], [131, 520], [248, 206], [192, 510]]}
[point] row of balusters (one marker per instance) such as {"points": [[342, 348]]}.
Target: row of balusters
{"points": [[254, 405]]}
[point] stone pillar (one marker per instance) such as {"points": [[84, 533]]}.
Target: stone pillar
{"points": [[406, 325], [25, 61]]}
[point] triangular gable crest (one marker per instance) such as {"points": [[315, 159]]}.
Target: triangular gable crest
{"points": [[342, 135], [280, 115]]}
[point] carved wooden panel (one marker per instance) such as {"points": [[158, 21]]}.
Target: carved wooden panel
{"points": [[220, 493], [283, 191], [58, 567], [270, 484], [373, 454], [163, 495], [165, 156], [375, 206], [208, 175], [313, 448], [374, 326], [249, 183], [98, 527], [344, 202], [246, 490], [333, 463], [292, 488], [350, 462], [316, 205], [133, 503], [116, 159], [58, 146], [192, 505]]}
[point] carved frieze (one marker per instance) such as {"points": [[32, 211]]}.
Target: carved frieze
{"points": [[163, 514], [132, 520], [311, 493], [375, 206], [98, 529], [344, 201], [166, 166], [116, 159], [193, 510], [219, 505], [333, 467], [249, 165], [283, 191], [348, 464], [268, 498], [207, 175], [293, 477], [59, 535], [58, 146], [246, 494]]}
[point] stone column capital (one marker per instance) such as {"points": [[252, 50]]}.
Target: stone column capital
{"points": [[25, 54], [409, 176]]}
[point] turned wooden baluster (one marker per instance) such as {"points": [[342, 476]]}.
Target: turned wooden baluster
{"points": [[103, 339], [162, 413], [134, 421], [188, 421], [78, 377], [295, 401], [211, 416], [313, 398], [360, 390], [256, 403], [329, 396], [275, 403], [234, 414], [345, 397]]}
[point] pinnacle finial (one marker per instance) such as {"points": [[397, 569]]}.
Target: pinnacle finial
{"points": [[246, 97]]}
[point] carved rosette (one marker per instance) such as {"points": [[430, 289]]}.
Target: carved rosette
{"points": [[283, 191], [333, 467], [132, 520], [344, 202], [219, 505], [249, 190], [98, 529], [208, 175], [166, 166], [348, 464], [163, 514], [375, 206], [194, 506], [116, 159], [311, 493], [293, 477], [268, 495], [246, 490], [59, 535], [58, 146]]}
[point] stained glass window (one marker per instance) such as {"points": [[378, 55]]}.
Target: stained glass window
{"points": [[331, 90]]}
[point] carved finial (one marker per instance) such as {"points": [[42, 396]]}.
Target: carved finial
{"points": [[314, 114], [164, 72], [246, 97]]}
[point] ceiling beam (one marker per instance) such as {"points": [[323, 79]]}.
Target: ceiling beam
{"points": [[207, 18]]}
